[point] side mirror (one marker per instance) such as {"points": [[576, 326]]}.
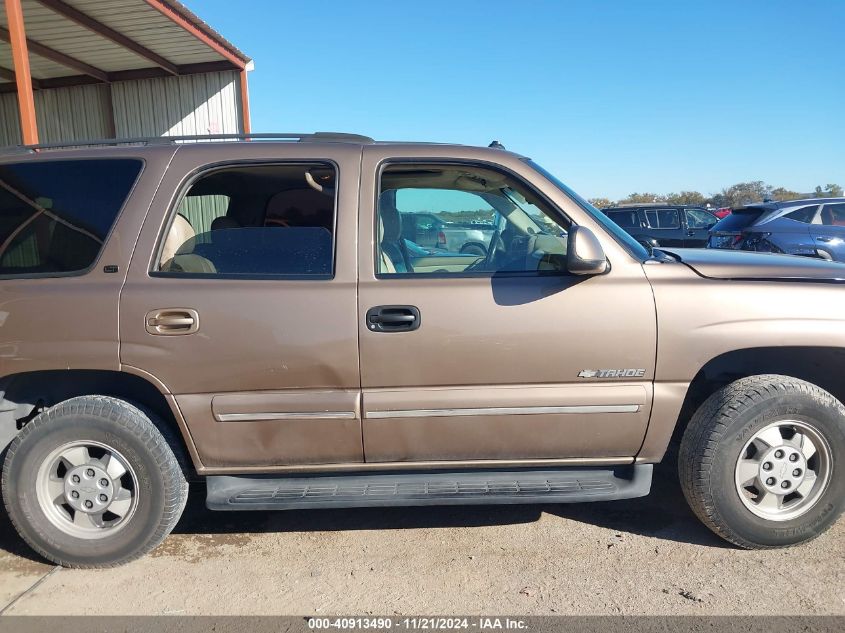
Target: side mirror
{"points": [[584, 255]]}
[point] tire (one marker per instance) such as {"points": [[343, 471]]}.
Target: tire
{"points": [[140, 506], [733, 475]]}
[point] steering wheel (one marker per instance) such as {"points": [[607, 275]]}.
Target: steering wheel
{"points": [[492, 250]]}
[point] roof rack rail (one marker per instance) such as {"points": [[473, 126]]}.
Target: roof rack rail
{"points": [[326, 137]]}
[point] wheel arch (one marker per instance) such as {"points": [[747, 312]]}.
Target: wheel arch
{"points": [[24, 395], [675, 402], [820, 366]]}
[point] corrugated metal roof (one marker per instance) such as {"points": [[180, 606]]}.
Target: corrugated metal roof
{"points": [[156, 29]]}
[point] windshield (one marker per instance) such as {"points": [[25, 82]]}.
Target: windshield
{"points": [[629, 243], [541, 222]]}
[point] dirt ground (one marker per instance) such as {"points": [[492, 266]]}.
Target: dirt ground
{"points": [[643, 556]]}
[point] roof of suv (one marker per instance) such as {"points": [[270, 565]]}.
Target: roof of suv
{"points": [[313, 137], [159, 141], [780, 204], [654, 205]]}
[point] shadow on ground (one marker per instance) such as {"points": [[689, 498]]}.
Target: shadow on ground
{"points": [[663, 514]]}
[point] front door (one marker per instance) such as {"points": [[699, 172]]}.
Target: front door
{"points": [[699, 223], [500, 356], [246, 310]]}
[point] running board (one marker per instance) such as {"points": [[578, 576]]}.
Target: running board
{"points": [[428, 488]]}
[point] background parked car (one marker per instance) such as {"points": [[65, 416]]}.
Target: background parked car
{"points": [[813, 227], [428, 230], [664, 224]]}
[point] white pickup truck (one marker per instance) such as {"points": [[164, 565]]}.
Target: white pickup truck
{"points": [[428, 230]]}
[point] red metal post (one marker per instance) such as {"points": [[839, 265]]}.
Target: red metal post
{"points": [[245, 103], [23, 77]]}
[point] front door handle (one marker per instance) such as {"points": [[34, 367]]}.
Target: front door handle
{"points": [[393, 319], [172, 321]]}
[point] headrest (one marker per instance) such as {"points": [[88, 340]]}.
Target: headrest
{"points": [[390, 222], [179, 234], [224, 222]]}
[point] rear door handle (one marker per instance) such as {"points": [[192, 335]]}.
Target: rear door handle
{"points": [[393, 319], [172, 321], [824, 238]]}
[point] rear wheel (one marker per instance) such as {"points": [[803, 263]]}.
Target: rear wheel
{"points": [[92, 482], [758, 458]]}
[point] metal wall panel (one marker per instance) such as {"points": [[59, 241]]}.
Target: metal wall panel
{"points": [[10, 125], [73, 113], [193, 104], [64, 114]]}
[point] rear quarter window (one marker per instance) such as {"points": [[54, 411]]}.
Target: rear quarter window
{"points": [[806, 215], [55, 216]]}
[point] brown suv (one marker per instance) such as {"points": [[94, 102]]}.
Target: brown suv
{"points": [[249, 312]]}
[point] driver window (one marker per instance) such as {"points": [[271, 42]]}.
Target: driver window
{"points": [[456, 219]]}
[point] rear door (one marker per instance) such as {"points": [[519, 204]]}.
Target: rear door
{"points": [[240, 302], [464, 361], [829, 234], [664, 225]]}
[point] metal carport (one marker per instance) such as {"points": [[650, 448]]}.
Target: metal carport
{"points": [[88, 69]]}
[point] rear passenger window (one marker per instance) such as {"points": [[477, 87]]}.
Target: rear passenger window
{"points": [[833, 215], [663, 218], [55, 216], [254, 221]]}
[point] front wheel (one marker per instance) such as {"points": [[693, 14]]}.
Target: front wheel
{"points": [[92, 482], [759, 462]]}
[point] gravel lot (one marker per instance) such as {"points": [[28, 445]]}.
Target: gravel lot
{"points": [[643, 556]]}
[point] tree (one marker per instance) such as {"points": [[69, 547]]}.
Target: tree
{"points": [[600, 203], [686, 197], [738, 195], [743, 193], [830, 191], [641, 198], [781, 194]]}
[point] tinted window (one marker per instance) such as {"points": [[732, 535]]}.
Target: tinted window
{"points": [[663, 218], [739, 219], [833, 215], [698, 219], [55, 215], [804, 214], [455, 219], [255, 221], [627, 219]]}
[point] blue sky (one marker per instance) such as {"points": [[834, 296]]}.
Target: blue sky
{"points": [[611, 96]]}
